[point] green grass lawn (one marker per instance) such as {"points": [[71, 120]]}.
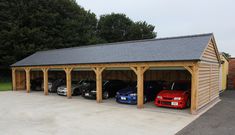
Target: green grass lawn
{"points": [[5, 86]]}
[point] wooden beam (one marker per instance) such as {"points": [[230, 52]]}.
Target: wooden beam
{"points": [[134, 69], [45, 80], [27, 71], [189, 69], [117, 65], [13, 78], [194, 90], [98, 71], [140, 84], [99, 87], [140, 87], [94, 69], [145, 69], [68, 71]]}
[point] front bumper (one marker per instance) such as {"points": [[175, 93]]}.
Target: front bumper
{"points": [[62, 92], [126, 99], [89, 95], [180, 104]]}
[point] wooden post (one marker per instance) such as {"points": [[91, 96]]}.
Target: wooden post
{"points": [[68, 81], [140, 84], [45, 80], [98, 71], [13, 79], [194, 86], [27, 71]]}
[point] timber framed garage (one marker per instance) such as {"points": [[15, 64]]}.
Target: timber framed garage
{"points": [[195, 54]]}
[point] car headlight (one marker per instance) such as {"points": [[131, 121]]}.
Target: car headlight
{"points": [[93, 91], [133, 94], [177, 98], [159, 97]]}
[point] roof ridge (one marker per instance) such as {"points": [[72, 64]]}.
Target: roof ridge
{"points": [[186, 36], [131, 41]]}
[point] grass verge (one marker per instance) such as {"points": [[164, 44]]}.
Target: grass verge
{"points": [[5, 86]]}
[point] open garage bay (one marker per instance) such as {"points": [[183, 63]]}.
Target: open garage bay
{"points": [[33, 113]]}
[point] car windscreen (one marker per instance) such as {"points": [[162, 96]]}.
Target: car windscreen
{"points": [[75, 82], [106, 83], [81, 81], [88, 82], [149, 84], [181, 86]]}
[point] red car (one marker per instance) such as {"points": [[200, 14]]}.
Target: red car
{"points": [[177, 97]]}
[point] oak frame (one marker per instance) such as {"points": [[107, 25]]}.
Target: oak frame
{"points": [[138, 68]]}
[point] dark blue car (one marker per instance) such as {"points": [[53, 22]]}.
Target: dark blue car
{"points": [[129, 94]]}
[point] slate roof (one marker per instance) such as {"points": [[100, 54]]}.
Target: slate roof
{"points": [[183, 48]]}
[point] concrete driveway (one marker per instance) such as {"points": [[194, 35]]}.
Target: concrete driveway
{"points": [[35, 114]]}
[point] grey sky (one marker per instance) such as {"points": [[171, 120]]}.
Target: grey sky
{"points": [[177, 17]]}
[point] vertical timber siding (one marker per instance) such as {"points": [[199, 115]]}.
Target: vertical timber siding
{"points": [[20, 80]]}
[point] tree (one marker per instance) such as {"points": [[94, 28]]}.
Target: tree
{"points": [[118, 27], [114, 27], [226, 54], [141, 30], [30, 26]]}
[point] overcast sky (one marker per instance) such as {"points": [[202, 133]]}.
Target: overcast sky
{"points": [[177, 17]]}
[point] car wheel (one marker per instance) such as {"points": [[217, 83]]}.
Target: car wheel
{"points": [[188, 103], [105, 95]]}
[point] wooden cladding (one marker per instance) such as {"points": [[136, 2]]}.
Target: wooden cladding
{"points": [[210, 53], [20, 80], [126, 75], [208, 75], [208, 87]]}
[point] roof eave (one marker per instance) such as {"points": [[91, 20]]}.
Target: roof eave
{"points": [[193, 60]]}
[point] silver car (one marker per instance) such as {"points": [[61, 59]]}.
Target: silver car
{"points": [[75, 89]]}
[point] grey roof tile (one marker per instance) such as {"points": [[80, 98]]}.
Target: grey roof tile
{"points": [[183, 48]]}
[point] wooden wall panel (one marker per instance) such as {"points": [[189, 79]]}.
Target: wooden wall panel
{"points": [[126, 75], [78, 75], [208, 85], [149, 75], [210, 53], [36, 74], [20, 80]]}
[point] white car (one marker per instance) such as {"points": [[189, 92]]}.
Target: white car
{"points": [[75, 89]]}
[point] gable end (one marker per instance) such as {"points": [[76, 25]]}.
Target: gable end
{"points": [[210, 53]]}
